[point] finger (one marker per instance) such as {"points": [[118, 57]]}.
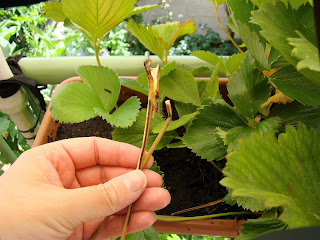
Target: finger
{"points": [[94, 202], [100, 174], [152, 199], [91, 151]]}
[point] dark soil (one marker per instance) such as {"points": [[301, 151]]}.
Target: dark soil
{"points": [[190, 180], [94, 127]]}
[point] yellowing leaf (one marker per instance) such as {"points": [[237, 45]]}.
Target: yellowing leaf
{"points": [[142, 9], [171, 31], [98, 17], [53, 10], [159, 38], [148, 37]]}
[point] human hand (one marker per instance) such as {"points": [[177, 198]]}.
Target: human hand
{"points": [[63, 190]]}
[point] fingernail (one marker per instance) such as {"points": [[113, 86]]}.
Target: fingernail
{"points": [[135, 181]]}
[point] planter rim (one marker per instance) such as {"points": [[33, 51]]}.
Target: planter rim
{"points": [[213, 227]]}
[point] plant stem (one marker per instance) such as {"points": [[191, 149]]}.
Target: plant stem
{"points": [[157, 141], [197, 207], [126, 223], [143, 163], [216, 166], [251, 123], [225, 30], [177, 219], [142, 152], [105, 220], [96, 49]]}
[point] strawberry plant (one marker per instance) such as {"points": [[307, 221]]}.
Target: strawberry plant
{"points": [[274, 82]]}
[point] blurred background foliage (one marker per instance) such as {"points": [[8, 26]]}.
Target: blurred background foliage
{"points": [[23, 30]]}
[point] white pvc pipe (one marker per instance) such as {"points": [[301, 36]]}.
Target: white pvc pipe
{"points": [[54, 70], [5, 72], [16, 106]]}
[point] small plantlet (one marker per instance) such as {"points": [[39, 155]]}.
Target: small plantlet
{"points": [[101, 16]]}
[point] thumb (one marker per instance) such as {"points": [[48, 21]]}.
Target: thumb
{"points": [[94, 202]]}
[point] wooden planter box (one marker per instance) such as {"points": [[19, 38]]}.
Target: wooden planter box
{"points": [[213, 227]]}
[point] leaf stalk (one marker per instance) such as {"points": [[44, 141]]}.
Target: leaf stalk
{"points": [[177, 219], [225, 30], [198, 207]]}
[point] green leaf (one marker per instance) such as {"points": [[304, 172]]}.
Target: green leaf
{"points": [[296, 86], [185, 108], [181, 86], [159, 38], [283, 172], [124, 116], [202, 87], [142, 9], [294, 3], [211, 58], [104, 82], [172, 30], [248, 88], [134, 85], [279, 23], [226, 64], [142, 79], [281, 62], [199, 70], [234, 62], [134, 134], [69, 24], [74, 102], [254, 46], [4, 124], [212, 89], [147, 234], [179, 144], [200, 136], [221, 137], [249, 203], [294, 113], [97, 17], [165, 70], [149, 37], [175, 124], [256, 227], [240, 11], [53, 10], [306, 52], [270, 125], [274, 55]]}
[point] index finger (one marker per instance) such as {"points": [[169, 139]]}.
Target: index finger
{"points": [[91, 151]]}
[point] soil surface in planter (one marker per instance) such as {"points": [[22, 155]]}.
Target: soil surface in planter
{"points": [[190, 180]]}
